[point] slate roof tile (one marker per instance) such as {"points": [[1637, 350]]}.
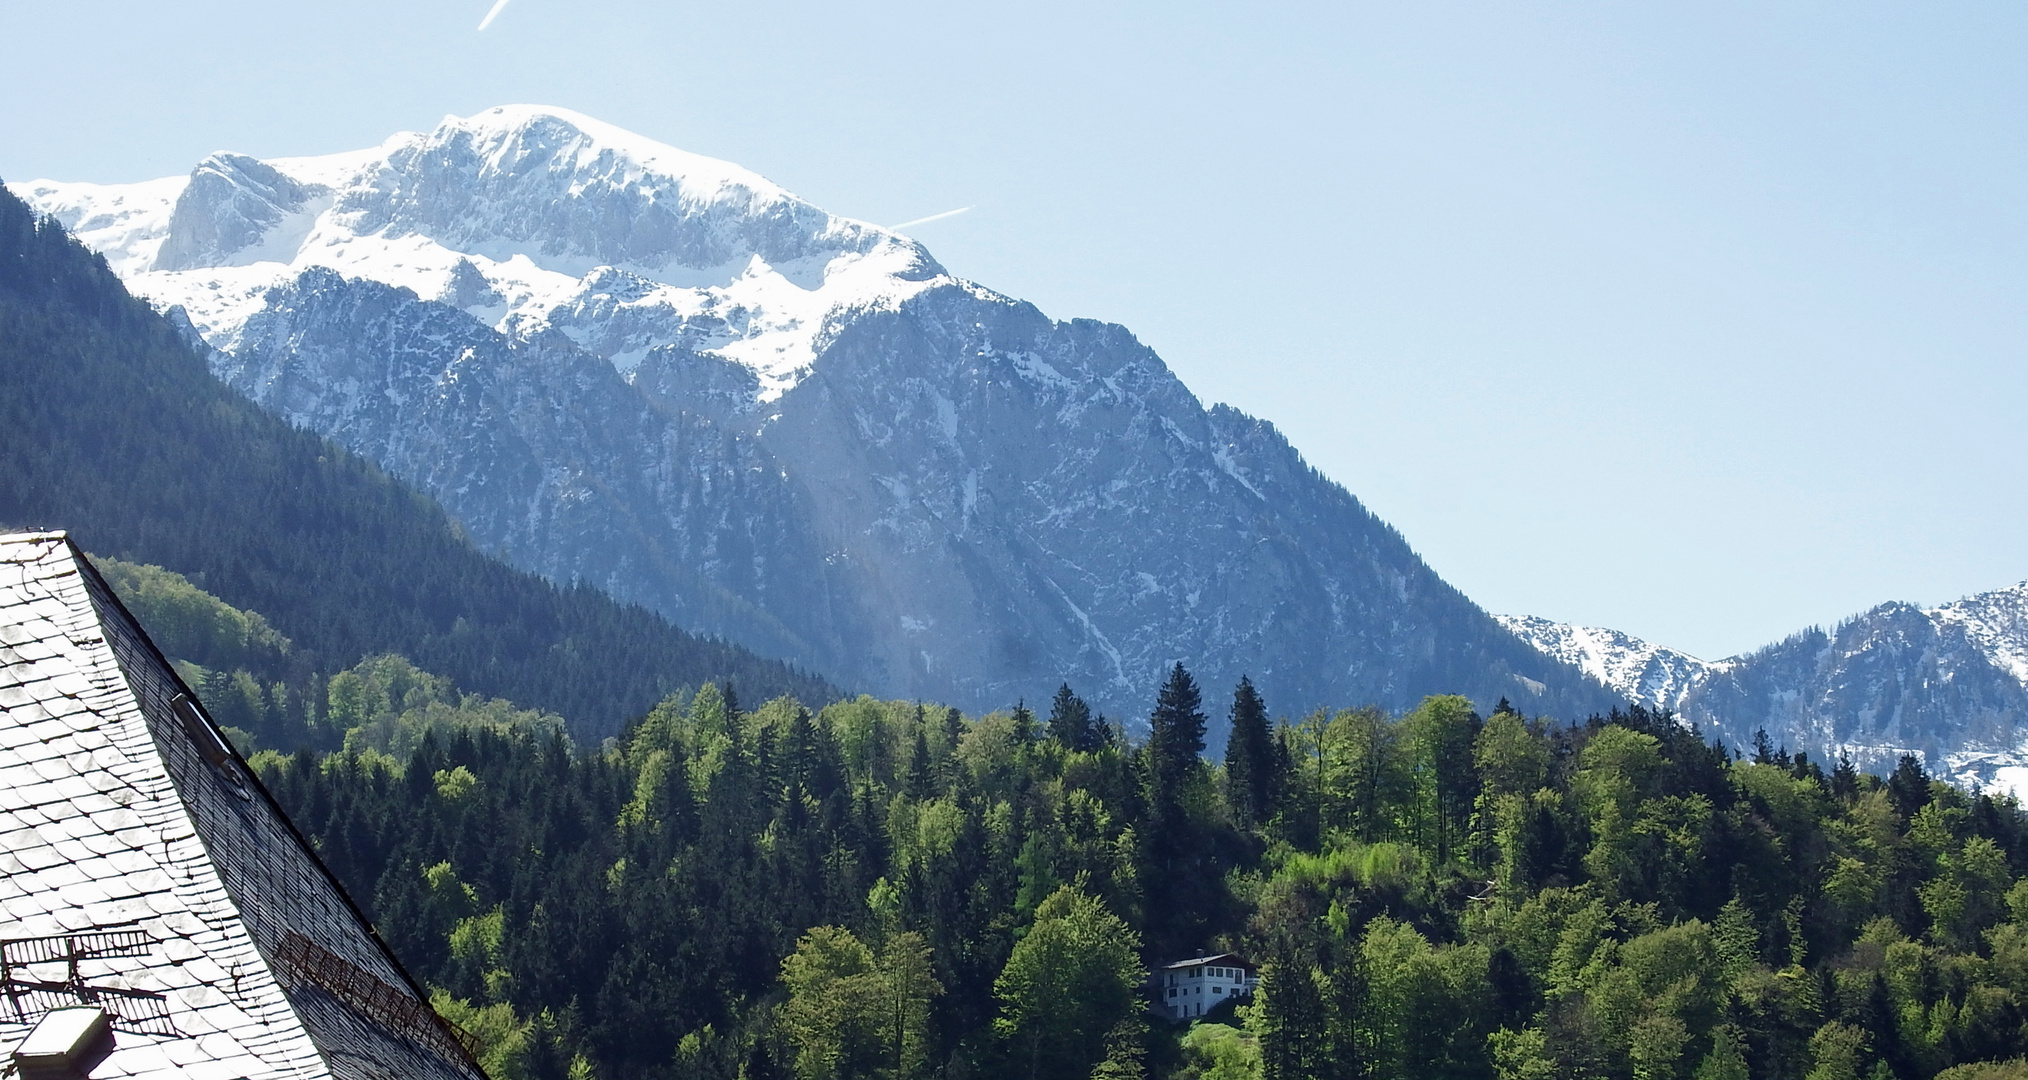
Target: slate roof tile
{"points": [[38, 856], [102, 803], [142, 1060]]}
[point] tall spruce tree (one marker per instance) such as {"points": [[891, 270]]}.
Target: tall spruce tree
{"points": [[1291, 1017], [1249, 758], [922, 776], [1175, 740], [1024, 722], [1070, 720]]}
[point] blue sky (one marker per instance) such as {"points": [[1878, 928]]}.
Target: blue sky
{"points": [[1705, 322]]}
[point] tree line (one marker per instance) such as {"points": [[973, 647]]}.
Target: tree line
{"points": [[893, 889]]}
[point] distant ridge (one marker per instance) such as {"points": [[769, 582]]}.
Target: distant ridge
{"points": [[112, 428], [1949, 683]]}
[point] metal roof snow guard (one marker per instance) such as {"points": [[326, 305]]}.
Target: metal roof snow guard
{"points": [[148, 880]]}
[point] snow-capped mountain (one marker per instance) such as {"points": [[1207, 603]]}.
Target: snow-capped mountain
{"points": [[1651, 675], [1949, 683], [529, 219], [622, 364]]}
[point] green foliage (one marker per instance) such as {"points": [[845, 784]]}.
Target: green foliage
{"points": [[895, 890], [188, 623], [1625, 901], [852, 1014], [1366, 778], [2016, 1069], [832, 1016], [1071, 979], [1252, 768], [503, 1037], [387, 704], [1219, 1052], [1439, 735]]}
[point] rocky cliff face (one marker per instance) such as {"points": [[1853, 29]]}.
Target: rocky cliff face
{"points": [[1949, 683], [619, 363]]}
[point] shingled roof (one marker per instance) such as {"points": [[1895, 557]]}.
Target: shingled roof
{"points": [[144, 869]]}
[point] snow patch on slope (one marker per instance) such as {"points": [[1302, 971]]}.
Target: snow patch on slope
{"points": [[1648, 674], [1996, 623], [124, 222]]}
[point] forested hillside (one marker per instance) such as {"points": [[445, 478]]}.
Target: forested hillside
{"points": [[882, 889], [111, 428]]}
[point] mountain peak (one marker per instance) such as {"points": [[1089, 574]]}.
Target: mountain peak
{"points": [[524, 216], [1648, 674], [581, 142], [1996, 623], [1948, 682]]}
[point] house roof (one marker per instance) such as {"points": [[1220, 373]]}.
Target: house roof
{"points": [[1233, 959], [143, 865]]}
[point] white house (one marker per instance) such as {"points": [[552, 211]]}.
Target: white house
{"points": [[1196, 986]]}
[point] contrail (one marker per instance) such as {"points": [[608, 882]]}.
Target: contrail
{"points": [[917, 221], [488, 20]]}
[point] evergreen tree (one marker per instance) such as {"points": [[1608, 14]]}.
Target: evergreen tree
{"points": [[1250, 759], [1070, 721], [1024, 723], [730, 709], [1908, 786], [1175, 740], [1290, 1017], [921, 772], [954, 731]]}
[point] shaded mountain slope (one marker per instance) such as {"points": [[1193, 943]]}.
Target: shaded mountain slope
{"points": [[111, 427]]}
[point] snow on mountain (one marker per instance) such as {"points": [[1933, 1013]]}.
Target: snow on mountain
{"points": [[1949, 683], [532, 219], [1650, 675], [1996, 623], [622, 364]]}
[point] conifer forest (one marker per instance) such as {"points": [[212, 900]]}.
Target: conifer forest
{"points": [[891, 889]]}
